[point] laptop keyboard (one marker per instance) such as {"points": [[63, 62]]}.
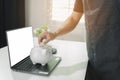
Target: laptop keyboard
{"points": [[27, 65]]}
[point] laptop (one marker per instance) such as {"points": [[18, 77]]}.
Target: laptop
{"points": [[20, 43]]}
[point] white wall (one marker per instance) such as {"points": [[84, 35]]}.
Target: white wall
{"points": [[38, 13]]}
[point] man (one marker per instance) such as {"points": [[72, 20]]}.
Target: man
{"points": [[103, 41]]}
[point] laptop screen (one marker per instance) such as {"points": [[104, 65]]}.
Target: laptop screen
{"points": [[20, 42]]}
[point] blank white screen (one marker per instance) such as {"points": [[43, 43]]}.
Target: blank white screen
{"points": [[20, 42]]}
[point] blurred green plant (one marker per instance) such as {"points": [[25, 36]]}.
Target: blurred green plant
{"points": [[41, 29]]}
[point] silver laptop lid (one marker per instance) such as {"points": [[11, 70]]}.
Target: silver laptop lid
{"points": [[20, 42]]}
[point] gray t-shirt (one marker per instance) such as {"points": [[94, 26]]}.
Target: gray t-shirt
{"points": [[102, 19]]}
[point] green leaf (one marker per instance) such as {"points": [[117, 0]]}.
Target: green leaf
{"points": [[45, 27], [39, 30]]}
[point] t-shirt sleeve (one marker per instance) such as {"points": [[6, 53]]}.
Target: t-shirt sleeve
{"points": [[78, 6]]}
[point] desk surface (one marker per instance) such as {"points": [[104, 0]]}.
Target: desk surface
{"points": [[72, 67]]}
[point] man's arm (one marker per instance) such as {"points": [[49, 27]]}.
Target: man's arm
{"points": [[68, 25]]}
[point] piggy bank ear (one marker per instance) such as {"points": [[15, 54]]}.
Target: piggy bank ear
{"points": [[43, 52]]}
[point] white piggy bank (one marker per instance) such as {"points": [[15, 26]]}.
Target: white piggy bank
{"points": [[41, 55]]}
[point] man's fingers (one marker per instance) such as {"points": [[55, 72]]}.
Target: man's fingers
{"points": [[44, 41], [44, 38], [40, 38]]}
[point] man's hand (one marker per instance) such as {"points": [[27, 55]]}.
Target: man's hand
{"points": [[45, 37]]}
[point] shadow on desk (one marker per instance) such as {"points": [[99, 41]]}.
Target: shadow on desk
{"points": [[70, 69]]}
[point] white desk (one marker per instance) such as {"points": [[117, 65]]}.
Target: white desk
{"points": [[72, 67]]}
